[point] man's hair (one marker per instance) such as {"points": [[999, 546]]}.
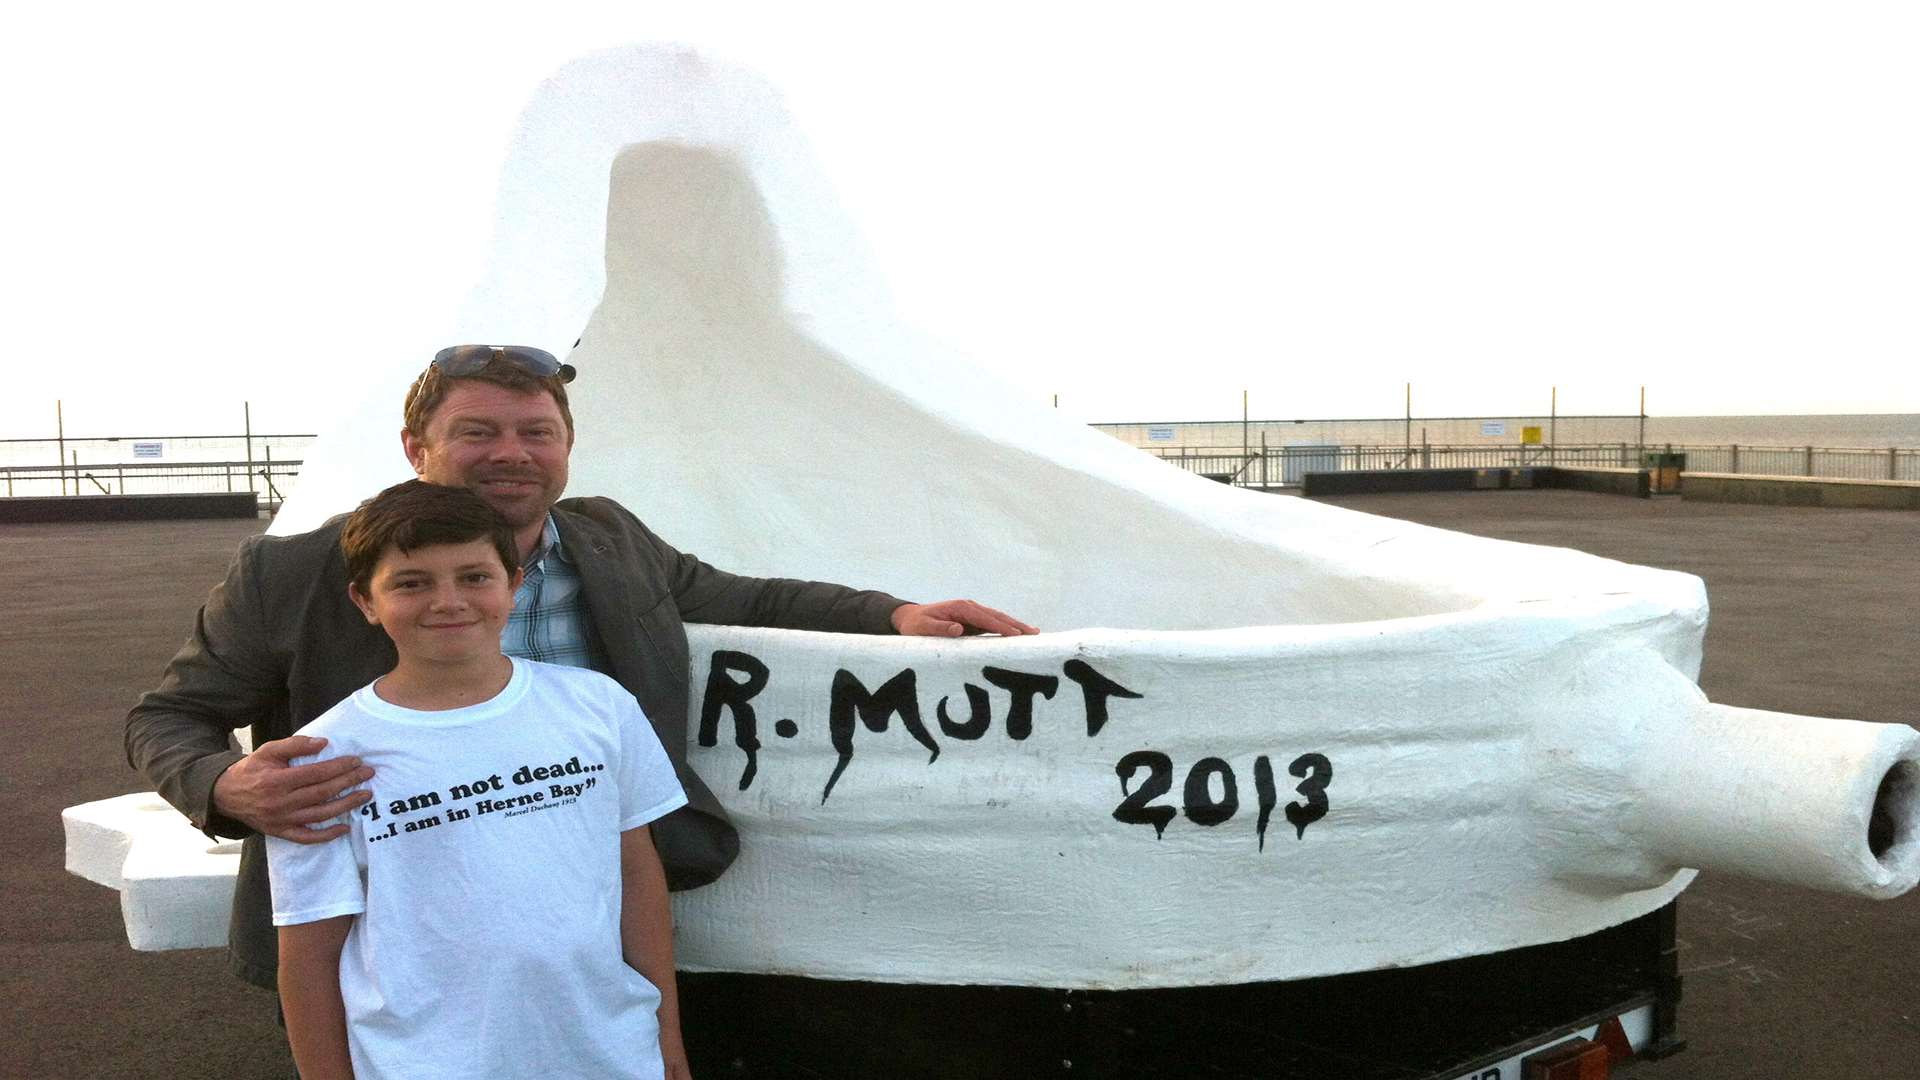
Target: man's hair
{"points": [[433, 385], [418, 514]]}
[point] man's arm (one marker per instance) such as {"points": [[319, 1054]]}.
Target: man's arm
{"points": [[646, 938], [310, 997], [222, 679], [705, 594]]}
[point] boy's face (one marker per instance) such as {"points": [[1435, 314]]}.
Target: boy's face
{"points": [[444, 603]]}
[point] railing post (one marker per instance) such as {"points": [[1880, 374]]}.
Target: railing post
{"points": [[1735, 467], [1893, 463], [247, 412], [1809, 461], [121, 471], [1553, 426]]}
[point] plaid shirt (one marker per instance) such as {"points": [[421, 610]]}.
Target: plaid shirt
{"points": [[549, 620]]}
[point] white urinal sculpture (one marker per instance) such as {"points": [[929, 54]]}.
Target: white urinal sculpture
{"points": [[1264, 739]]}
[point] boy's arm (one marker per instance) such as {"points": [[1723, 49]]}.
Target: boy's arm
{"points": [[646, 939], [310, 997]]}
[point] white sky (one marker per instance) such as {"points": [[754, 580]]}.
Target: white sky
{"points": [[1142, 212]]}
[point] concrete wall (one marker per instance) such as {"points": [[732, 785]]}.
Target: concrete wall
{"points": [[1383, 481], [1633, 482], [239, 504], [1379, 481], [1800, 491]]}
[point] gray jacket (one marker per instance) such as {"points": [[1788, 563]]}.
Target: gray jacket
{"points": [[278, 643]]}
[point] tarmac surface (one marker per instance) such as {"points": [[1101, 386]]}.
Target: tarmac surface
{"points": [[1813, 612]]}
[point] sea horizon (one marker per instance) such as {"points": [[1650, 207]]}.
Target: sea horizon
{"points": [[1872, 431]]}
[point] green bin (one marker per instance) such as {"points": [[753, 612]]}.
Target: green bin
{"points": [[1663, 470]]}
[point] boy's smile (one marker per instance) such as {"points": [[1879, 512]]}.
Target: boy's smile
{"points": [[442, 603]]}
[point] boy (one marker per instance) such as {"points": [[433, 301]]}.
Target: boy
{"points": [[497, 908]]}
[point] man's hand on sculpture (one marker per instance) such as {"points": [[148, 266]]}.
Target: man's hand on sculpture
{"points": [[273, 797], [951, 618]]}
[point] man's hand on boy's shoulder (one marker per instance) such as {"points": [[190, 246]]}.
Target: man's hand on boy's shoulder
{"points": [[268, 794]]}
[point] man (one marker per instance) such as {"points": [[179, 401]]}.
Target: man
{"points": [[279, 642]]}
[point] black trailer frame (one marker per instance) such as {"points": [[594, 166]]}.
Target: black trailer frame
{"points": [[1432, 1022]]}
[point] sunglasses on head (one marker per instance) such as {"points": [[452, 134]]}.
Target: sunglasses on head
{"points": [[459, 360]]}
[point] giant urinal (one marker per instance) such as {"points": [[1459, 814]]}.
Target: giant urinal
{"points": [[1260, 739]]}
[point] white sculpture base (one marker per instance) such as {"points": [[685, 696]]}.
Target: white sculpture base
{"points": [[176, 885], [1344, 743]]}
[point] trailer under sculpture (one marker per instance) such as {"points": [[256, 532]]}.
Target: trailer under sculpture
{"points": [[1263, 739]]}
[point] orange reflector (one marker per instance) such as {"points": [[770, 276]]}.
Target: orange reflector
{"points": [[1614, 1038], [1575, 1059]]}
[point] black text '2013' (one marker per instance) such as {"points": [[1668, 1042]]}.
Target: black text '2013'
{"points": [[1198, 800]]}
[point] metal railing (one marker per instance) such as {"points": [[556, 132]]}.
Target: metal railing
{"points": [[266, 464], [1284, 466], [271, 480], [1838, 463], [1246, 436], [1272, 466]]}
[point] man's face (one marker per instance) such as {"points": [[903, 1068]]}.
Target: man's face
{"points": [[510, 448]]}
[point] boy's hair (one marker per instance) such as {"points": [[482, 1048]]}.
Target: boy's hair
{"points": [[431, 388], [418, 514]]}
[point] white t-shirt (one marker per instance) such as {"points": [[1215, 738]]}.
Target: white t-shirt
{"points": [[486, 877]]}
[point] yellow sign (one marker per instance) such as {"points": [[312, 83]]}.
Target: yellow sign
{"points": [[1530, 434]]}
